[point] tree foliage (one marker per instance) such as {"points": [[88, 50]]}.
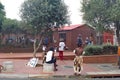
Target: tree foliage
{"points": [[44, 13], [2, 15], [102, 14], [11, 26]]}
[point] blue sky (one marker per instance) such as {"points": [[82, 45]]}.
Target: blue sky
{"points": [[12, 9]]}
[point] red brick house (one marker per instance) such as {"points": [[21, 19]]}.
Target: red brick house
{"points": [[70, 34]]}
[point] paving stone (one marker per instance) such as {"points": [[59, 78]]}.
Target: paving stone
{"points": [[3, 75], [7, 66], [64, 67]]}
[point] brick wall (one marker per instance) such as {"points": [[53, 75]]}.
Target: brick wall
{"points": [[71, 35]]}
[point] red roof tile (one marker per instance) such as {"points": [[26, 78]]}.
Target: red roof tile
{"points": [[70, 27]]}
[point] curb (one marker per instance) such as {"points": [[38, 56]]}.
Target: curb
{"points": [[23, 76], [2, 75], [39, 75]]}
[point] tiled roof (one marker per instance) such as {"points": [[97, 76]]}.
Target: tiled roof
{"points": [[70, 27]]}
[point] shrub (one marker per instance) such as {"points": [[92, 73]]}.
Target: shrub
{"points": [[101, 49], [114, 49], [109, 49], [93, 50]]}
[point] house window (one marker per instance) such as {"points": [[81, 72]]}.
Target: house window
{"points": [[62, 36]]}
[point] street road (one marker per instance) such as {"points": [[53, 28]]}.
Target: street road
{"points": [[60, 78]]}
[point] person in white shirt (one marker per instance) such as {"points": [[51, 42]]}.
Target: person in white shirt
{"points": [[61, 49], [50, 58]]}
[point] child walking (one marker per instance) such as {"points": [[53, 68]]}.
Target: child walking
{"points": [[78, 60]]}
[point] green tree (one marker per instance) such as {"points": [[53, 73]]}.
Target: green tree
{"points": [[102, 14], [11, 26], [42, 14], [2, 15]]}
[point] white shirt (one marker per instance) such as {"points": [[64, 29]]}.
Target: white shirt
{"points": [[49, 56], [61, 46]]}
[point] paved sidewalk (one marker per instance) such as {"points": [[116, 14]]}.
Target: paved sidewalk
{"points": [[65, 68], [30, 55]]}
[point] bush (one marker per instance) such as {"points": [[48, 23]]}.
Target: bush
{"points": [[109, 49], [114, 49], [93, 50], [100, 49]]}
